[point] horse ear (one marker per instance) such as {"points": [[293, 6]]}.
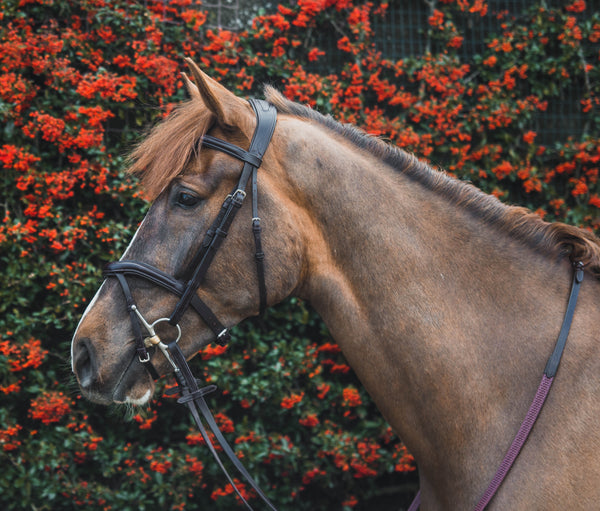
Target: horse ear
{"points": [[225, 105], [191, 88]]}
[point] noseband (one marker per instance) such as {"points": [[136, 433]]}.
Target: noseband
{"points": [[192, 395]]}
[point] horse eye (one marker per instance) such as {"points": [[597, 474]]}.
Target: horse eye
{"points": [[186, 200]]}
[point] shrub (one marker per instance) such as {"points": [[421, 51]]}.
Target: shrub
{"points": [[80, 80]]}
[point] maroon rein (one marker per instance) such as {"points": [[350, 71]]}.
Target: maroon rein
{"points": [[191, 394], [537, 403]]}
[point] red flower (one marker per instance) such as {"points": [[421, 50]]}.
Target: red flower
{"points": [[106, 34], [245, 403], [351, 501], [20, 357], [145, 422], [362, 470], [529, 137], [311, 474], [404, 461], [490, 61], [351, 397], [576, 6], [8, 439], [284, 10], [436, 19], [194, 466], [160, 467], [50, 407], [323, 389], [329, 347], [340, 368], [224, 422], [8, 389], [455, 42], [17, 158], [228, 490], [314, 54], [595, 201], [479, 6], [293, 399], [503, 170], [344, 44], [581, 187], [310, 421], [211, 351], [358, 16]]}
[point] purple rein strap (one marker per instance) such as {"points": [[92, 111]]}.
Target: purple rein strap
{"points": [[538, 400]]}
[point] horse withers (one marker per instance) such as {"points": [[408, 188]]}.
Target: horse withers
{"points": [[445, 302]]}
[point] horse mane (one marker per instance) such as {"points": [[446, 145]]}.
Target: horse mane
{"points": [[169, 146], [558, 240]]}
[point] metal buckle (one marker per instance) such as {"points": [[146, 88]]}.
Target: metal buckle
{"points": [[223, 337], [238, 196], [144, 360]]}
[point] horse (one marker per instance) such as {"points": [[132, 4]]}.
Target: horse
{"points": [[445, 302]]}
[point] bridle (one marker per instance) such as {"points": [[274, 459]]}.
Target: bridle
{"points": [[192, 395], [266, 116]]}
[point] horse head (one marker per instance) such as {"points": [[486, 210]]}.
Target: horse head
{"points": [[188, 184]]}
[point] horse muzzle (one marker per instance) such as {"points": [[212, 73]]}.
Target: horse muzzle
{"points": [[125, 381]]}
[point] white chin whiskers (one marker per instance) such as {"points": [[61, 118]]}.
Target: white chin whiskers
{"points": [[139, 401]]}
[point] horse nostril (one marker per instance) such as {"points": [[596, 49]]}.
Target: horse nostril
{"points": [[85, 363]]}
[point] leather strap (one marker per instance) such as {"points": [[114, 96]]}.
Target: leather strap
{"points": [[517, 443], [259, 257], [140, 347], [554, 360], [416, 503], [232, 150], [262, 110], [156, 276], [199, 273], [193, 397], [266, 116], [540, 396]]}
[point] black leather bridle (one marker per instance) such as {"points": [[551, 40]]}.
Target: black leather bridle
{"points": [[266, 116], [192, 395]]}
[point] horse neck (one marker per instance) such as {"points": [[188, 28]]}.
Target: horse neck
{"points": [[427, 302], [379, 240]]}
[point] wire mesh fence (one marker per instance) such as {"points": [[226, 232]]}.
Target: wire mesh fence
{"points": [[404, 32]]}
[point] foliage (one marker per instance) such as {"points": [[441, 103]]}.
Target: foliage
{"points": [[80, 80]]}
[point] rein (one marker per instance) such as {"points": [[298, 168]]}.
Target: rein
{"points": [[191, 394], [537, 403]]}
